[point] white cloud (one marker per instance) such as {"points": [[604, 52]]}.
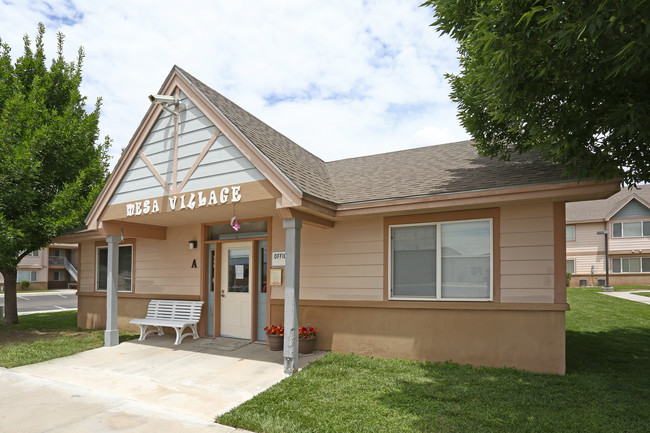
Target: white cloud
{"points": [[341, 78]]}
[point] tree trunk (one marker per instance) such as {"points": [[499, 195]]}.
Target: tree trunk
{"points": [[11, 305]]}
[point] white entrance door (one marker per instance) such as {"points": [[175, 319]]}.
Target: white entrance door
{"points": [[236, 290]]}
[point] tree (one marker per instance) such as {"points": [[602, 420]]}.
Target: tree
{"points": [[51, 164], [569, 79]]}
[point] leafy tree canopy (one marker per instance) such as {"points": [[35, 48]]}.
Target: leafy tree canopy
{"points": [[51, 164], [569, 79]]}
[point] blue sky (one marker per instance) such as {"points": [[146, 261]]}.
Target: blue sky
{"points": [[341, 78]]}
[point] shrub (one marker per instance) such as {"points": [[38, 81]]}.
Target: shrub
{"points": [[24, 285]]}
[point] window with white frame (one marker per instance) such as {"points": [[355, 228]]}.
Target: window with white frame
{"points": [[441, 261], [631, 229], [124, 268], [26, 276], [631, 264], [33, 254], [570, 233], [59, 276], [571, 265]]}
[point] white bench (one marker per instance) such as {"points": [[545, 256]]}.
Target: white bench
{"points": [[173, 314]]}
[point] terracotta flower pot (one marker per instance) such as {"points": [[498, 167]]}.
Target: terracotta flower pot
{"points": [[276, 342], [306, 346]]}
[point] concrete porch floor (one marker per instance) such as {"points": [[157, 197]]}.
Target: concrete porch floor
{"points": [[138, 387]]}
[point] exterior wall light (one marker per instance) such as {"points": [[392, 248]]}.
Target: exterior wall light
{"points": [[193, 245]]}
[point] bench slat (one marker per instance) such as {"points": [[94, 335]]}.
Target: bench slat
{"points": [[174, 314]]}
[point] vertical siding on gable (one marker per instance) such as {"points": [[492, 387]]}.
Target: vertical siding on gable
{"points": [[634, 209], [222, 165], [138, 183], [527, 253]]}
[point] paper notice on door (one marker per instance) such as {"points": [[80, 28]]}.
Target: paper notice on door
{"points": [[239, 272]]}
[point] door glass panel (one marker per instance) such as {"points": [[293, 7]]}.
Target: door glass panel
{"points": [[261, 291], [238, 270]]}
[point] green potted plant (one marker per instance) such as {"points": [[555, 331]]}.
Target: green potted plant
{"points": [[307, 340], [275, 336]]}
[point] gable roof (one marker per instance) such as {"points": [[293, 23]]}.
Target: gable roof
{"points": [[440, 169], [305, 170], [433, 171], [603, 210]]}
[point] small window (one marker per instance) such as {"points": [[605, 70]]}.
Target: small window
{"points": [[570, 233], [124, 268], [618, 230], [59, 276], [571, 266], [33, 254], [26, 276]]}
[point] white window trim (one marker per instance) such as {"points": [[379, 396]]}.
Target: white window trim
{"points": [[438, 297], [97, 289], [33, 274], [628, 272], [640, 221], [59, 273]]}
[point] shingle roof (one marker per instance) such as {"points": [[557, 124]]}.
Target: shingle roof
{"points": [[305, 170], [440, 169], [598, 210]]}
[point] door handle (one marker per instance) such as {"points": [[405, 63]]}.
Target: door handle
{"points": [[223, 294]]}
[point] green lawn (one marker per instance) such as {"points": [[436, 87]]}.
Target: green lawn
{"points": [[606, 387], [630, 288], [643, 294], [44, 336]]}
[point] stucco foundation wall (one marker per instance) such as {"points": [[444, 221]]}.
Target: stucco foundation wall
{"points": [[529, 340], [92, 311]]}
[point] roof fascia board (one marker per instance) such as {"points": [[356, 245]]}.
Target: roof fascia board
{"points": [[129, 153], [250, 151], [123, 165], [586, 190]]}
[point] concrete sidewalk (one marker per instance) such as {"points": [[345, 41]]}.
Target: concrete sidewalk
{"points": [[49, 292], [148, 386], [630, 296]]}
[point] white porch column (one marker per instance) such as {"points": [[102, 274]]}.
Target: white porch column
{"points": [[291, 293], [112, 335]]}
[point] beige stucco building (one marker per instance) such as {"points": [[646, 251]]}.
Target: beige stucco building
{"points": [[432, 253], [625, 217]]}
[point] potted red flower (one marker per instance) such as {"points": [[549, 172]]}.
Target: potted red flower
{"points": [[275, 336], [307, 340]]}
